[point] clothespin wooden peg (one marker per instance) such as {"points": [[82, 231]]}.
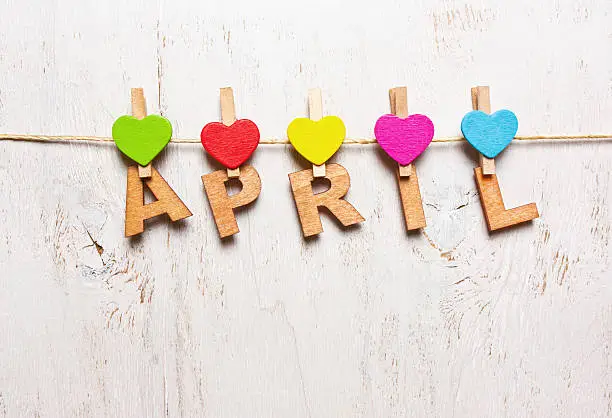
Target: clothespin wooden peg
{"points": [[139, 111], [142, 138], [404, 137], [231, 142], [228, 117], [316, 137], [315, 112], [398, 97], [490, 135], [481, 100]]}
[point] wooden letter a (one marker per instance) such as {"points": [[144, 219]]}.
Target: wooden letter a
{"points": [[223, 205], [308, 203], [136, 212], [495, 211]]}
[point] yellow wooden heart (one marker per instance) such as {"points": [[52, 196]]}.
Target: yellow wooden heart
{"points": [[318, 140]]}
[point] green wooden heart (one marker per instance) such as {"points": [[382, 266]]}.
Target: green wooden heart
{"points": [[142, 139]]}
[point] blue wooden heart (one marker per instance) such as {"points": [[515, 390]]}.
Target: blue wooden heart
{"points": [[489, 134]]}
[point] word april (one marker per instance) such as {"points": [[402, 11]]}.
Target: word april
{"points": [[232, 141]]}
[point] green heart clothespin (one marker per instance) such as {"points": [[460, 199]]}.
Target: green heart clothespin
{"points": [[141, 137]]}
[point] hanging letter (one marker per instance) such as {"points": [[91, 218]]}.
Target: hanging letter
{"points": [[307, 202], [136, 212], [495, 211], [411, 201], [223, 205]]}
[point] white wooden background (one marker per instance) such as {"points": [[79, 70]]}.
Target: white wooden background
{"points": [[368, 322]]}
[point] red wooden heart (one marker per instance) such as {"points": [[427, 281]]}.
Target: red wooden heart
{"points": [[230, 145]]}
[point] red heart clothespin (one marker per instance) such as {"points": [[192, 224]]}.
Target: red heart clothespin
{"points": [[231, 142]]}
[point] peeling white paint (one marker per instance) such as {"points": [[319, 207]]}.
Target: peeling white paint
{"points": [[365, 322]]}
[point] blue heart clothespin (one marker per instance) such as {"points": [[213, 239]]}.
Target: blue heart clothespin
{"points": [[489, 134]]}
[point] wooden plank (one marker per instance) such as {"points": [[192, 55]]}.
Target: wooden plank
{"points": [[456, 322]]}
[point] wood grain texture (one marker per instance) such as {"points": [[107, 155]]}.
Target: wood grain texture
{"points": [[412, 205], [308, 203], [495, 212], [318, 171], [315, 104], [407, 178], [139, 104], [139, 111], [398, 100], [405, 170], [481, 100], [136, 211], [369, 322], [315, 112], [222, 204], [228, 117], [233, 173], [228, 108]]}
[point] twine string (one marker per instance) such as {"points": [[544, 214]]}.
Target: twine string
{"points": [[272, 141]]}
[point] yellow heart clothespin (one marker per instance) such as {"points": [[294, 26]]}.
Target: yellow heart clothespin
{"points": [[317, 138]]}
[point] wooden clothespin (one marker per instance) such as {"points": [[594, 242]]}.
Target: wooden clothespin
{"points": [[139, 111], [228, 117], [316, 138], [398, 97], [231, 142], [404, 138], [490, 135], [315, 112], [481, 100]]}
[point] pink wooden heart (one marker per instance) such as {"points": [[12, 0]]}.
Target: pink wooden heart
{"points": [[404, 139]]}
